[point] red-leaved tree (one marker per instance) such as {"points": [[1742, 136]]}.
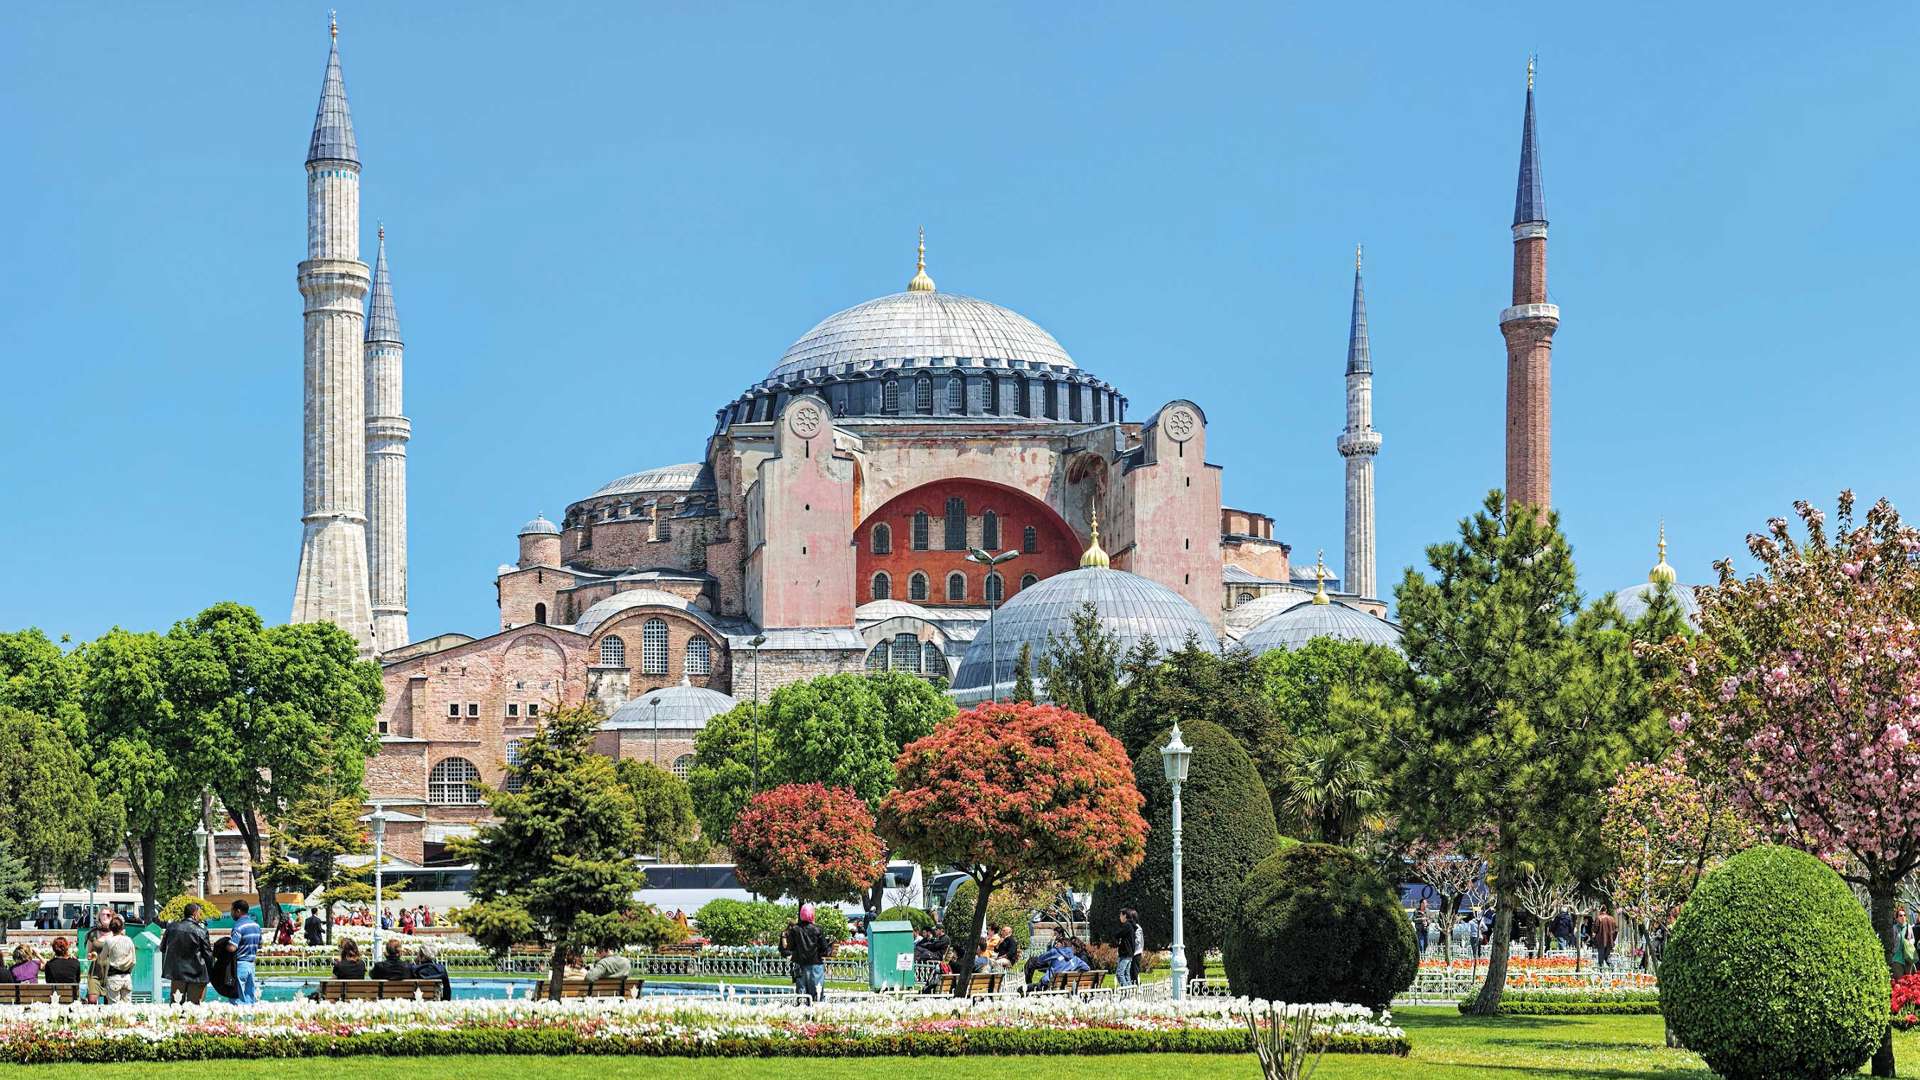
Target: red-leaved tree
{"points": [[807, 841], [1015, 793]]}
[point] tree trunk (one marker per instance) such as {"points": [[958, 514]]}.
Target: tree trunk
{"points": [[972, 948], [558, 974], [249, 827], [1488, 1003], [147, 908], [1881, 888]]}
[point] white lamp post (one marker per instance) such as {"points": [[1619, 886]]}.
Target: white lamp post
{"points": [[1175, 756], [655, 703], [379, 819], [990, 561], [200, 844]]}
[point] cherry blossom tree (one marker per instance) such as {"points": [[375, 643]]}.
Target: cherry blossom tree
{"points": [[1015, 793], [1666, 829], [807, 841], [1802, 691]]}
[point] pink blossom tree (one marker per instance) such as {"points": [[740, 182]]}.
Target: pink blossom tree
{"points": [[1802, 691]]}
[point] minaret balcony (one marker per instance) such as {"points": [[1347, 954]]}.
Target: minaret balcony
{"points": [[1358, 443], [1529, 312]]}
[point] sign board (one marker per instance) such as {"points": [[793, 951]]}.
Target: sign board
{"points": [[903, 962]]}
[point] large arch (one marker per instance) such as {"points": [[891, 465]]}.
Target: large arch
{"points": [[1058, 546]]}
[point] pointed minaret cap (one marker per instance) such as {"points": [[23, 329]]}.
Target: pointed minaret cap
{"points": [[383, 322], [333, 122], [1530, 199], [1320, 578], [1095, 554], [921, 282], [1662, 572], [1359, 355]]}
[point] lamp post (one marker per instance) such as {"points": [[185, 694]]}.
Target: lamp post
{"points": [[758, 640], [654, 702], [1175, 756], [379, 820], [989, 561], [200, 844]]}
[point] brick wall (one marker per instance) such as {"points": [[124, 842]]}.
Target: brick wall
{"points": [[1058, 549]]}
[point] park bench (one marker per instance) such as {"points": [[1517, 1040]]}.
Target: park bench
{"points": [[37, 993], [984, 982], [378, 990], [679, 948], [591, 988], [1076, 981]]}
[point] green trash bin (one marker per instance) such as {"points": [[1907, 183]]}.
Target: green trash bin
{"points": [[146, 965], [890, 956]]}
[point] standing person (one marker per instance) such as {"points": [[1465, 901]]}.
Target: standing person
{"points": [[1901, 957], [115, 960], [1422, 920], [1133, 946], [186, 957], [283, 931], [96, 971], [1606, 931], [809, 955], [63, 969], [246, 950], [316, 929]]}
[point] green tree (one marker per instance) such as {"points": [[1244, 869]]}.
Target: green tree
{"points": [[559, 864], [310, 840], [1081, 669], [289, 711], [663, 808], [35, 675], [1524, 708], [18, 887], [51, 815], [1331, 698], [1193, 683], [721, 779], [1023, 673]]}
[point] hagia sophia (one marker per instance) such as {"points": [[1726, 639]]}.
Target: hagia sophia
{"points": [[840, 518]]}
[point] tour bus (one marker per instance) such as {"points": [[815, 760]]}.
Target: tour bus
{"points": [[675, 887]]}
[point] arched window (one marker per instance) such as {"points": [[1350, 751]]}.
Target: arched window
{"points": [[1073, 402], [663, 522], [540, 614], [956, 530], [920, 522], [1028, 581], [1099, 400], [882, 539], [699, 656], [890, 397], [451, 783], [917, 586], [993, 396], [1030, 540], [877, 657], [683, 765], [613, 651], [956, 395], [906, 653], [990, 531], [1023, 397], [996, 588], [653, 647], [515, 781], [923, 395], [956, 586], [1053, 400], [882, 587], [932, 660], [1243, 598]]}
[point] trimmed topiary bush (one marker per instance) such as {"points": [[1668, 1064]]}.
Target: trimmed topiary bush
{"points": [[919, 917], [1316, 923], [1007, 906], [1773, 971], [1228, 828]]}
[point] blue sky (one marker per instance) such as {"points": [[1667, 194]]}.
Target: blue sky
{"points": [[605, 220]]}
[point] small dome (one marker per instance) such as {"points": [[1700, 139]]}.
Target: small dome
{"points": [[1307, 620], [877, 610], [918, 325], [680, 708], [1248, 614], [1634, 600], [539, 526], [599, 613], [1132, 609], [691, 476]]}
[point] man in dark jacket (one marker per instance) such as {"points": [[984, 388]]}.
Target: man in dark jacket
{"points": [[186, 957], [427, 966], [808, 950], [315, 929]]}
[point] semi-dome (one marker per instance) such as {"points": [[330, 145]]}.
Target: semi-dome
{"points": [[1246, 615], [922, 324], [691, 476], [1131, 608], [680, 708], [1309, 619], [539, 526]]}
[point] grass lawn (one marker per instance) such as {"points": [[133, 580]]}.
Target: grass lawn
{"points": [[1447, 1046]]}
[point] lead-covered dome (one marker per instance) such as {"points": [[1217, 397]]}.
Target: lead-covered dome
{"points": [[675, 708], [1131, 608], [1307, 620], [917, 325]]}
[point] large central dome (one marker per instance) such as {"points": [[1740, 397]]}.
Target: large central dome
{"points": [[918, 325]]}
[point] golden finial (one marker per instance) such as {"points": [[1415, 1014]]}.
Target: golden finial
{"points": [[921, 282], [1320, 577], [1356, 258], [1095, 556], [333, 25], [1661, 571], [1530, 61], [382, 229]]}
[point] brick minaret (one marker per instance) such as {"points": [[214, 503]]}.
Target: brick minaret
{"points": [[1528, 327], [1358, 444], [387, 435], [332, 583]]}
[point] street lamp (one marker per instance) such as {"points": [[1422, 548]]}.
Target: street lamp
{"points": [[379, 820], [1175, 756], [981, 556], [200, 844], [654, 701], [757, 641]]}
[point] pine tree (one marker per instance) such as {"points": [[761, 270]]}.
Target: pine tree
{"points": [[17, 889], [1023, 674], [1081, 670]]}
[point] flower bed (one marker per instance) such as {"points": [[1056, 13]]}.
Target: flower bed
{"points": [[1574, 1002], [1906, 1003], [943, 1027]]}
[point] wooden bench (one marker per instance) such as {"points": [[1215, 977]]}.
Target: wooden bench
{"points": [[679, 948], [590, 988], [1075, 981], [38, 993], [378, 990], [984, 982]]}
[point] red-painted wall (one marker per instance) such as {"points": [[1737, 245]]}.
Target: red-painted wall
{"points": [[1058, 550]]}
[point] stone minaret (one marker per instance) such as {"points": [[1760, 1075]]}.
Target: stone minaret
{"points": [[332, 586], [1358, 444], [387, 435], [1528, 327]]}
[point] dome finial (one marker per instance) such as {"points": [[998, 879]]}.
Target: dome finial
{"points": [[1357, 248], [1320, 577], [1095, 555], [1530, 60], [921, 282], [333, 24], [1662, 573]]}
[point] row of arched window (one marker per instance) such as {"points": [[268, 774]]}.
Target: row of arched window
{"points": [[954, 530], [1029, 397], [451, 783], [907, 653], [698, 658], [918, 585]]}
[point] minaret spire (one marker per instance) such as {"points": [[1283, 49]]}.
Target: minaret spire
{"points": [[1528, 327], [921, 282], [388, 432], [1358, 444], [333, 121]]}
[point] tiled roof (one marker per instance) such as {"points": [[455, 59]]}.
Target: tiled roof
{"points": [[333, 122]]}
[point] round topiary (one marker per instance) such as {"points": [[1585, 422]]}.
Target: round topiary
{"points": [[1227, 828], [1773, 971], [1005, 906], [919, 917], [1316, 923]]}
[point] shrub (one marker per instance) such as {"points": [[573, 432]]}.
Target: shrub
{"points": [[831, 921], [741, 922], [1228, 828], [1006, 906], [920, 918], [1316, 923], [1773, 970], [176, 909]]}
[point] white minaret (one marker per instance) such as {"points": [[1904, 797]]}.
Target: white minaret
{"points": [[1358, 444], [387, 435], [332, 585]]}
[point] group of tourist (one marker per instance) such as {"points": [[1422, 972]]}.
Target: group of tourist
{"points": [[25, 965], [394, 966], [414, 918], [1473, 933]]}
